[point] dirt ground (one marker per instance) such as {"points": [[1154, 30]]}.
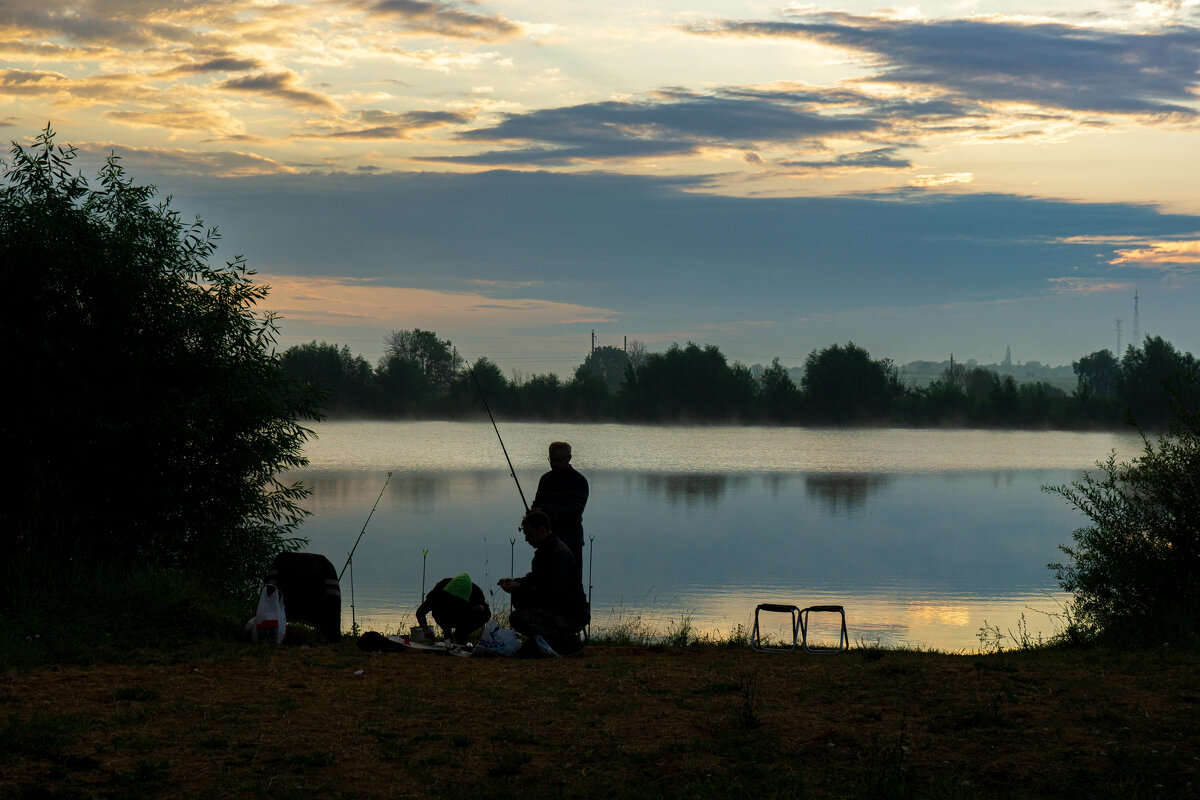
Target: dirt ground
{"points": [[332, 721]]}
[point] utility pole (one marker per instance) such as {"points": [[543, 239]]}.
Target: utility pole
{"points": [[1137, 339], [626, 345], [593, 341]]}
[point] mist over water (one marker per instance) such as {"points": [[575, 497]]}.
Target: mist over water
{"points": [[921, 535]]}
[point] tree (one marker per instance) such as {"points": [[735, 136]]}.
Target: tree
{"points": [[688, 383], [437, 359], [1144, 373], [777, 394], [843, 384], [342, 377], [1135, 570], [154, 416], [482, 378], [1097, 375]]}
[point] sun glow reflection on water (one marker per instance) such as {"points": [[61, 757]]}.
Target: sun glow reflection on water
{"points": [[923, 536]]}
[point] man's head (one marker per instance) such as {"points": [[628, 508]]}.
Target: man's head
{"points": [[536, 526], [560, 456]]}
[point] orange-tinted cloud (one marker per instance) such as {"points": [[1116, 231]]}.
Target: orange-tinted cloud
{"points": [[345, 301], [1161, 255]]}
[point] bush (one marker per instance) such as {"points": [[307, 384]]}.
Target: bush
{"points": [[149, 415], [1135, 571]]}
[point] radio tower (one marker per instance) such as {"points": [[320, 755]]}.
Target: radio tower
{"points": [[1118, 337], [1137, 340]]}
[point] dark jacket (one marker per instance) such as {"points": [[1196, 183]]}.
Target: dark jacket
{"points": [[454, 612], [562, 495], [552, 583]]}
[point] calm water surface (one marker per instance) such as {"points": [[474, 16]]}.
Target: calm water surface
{"points": [[921, 535]]}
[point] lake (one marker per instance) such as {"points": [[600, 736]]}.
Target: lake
{"points": [[922, 535]]}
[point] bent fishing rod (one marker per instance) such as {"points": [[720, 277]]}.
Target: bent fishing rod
{"points": [[350, 557], [488, 408]]}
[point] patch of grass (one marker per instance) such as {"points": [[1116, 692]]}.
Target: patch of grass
{"points": [[145, 775], [720, 687], [313, 759], [212, 743], [137, 694], [748, 717], [509, 766], [38, 737], [517, 736], [102, 613]]}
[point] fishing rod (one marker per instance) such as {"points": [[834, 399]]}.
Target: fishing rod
{"points": [[488, 408], [350, 557]]}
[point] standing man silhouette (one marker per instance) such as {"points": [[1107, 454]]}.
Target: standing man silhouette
{"points": [[561, 494]]}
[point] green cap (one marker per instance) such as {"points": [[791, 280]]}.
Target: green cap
{"points": [[460, 587]]}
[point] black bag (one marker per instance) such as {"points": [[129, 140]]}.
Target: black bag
{"points": [[310, 584]]}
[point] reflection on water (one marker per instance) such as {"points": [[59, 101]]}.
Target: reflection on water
{"points": [[690, 488], [921, 535], [844, 493], [913, 558]]}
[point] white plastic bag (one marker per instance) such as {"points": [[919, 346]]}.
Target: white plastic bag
{"points": [[269, 624], [496, 641]]}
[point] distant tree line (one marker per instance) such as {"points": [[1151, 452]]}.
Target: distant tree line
{"points": [[421, 376]]}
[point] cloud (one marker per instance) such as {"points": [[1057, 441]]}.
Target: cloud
{"points": [[179, 117], [367, 303], [879, 158], [1088, 286], [670, 123], [947, 179], [1048, 64], [69, 92], [219, 64], [280, 86], [168, 161], [19, 82], [1166, 255], [442, 19], [378, 124]]}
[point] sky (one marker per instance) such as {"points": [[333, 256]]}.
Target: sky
{"points": [[923, 180]]}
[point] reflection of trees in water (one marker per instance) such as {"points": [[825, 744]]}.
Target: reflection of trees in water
{"points": [[844, 492], [691, 488]]}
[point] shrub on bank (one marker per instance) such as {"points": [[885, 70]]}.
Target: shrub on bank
{"points": [[149, 414], [1134, 572]]}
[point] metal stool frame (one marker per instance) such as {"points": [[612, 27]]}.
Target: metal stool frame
{"points": [[780, 608], [843, 642]]}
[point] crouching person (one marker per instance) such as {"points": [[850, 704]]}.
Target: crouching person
{"points": [[459, 608], [549, 602]]}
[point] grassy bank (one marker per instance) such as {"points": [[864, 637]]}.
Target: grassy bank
{"points": [[229, 720]]}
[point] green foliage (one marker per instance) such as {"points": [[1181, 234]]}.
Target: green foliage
{"points": [[152, 416], [1144, 373], [687, 383], [1097, 374], [436, 359], [843, 384], [1135, 570], [778, 396], [346, 380]]}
